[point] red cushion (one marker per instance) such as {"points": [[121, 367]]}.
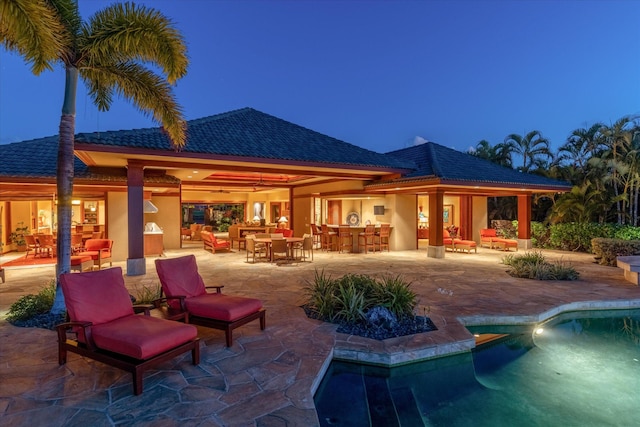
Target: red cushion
{"points": [[142, 337], [90, 254], [470, 243], [79, 259], [222, 307], [97, 296], [179, 276], [287, 233]]}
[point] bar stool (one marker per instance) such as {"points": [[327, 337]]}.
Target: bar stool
{"points": [[383, 237], [345, 238], [367, 239], [317, 235], [327, 238]]}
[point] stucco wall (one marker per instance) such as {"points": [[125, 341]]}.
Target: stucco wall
{"points": [[480, 217], [168, 218], [118, 224]]}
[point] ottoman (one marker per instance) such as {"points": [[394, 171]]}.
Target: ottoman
{"points": [[465, 245], [505, 244], [81, 263]]}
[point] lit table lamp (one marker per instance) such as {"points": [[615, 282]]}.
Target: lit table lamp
{"points": [[283, 222]]}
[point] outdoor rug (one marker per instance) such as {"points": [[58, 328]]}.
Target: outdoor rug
{"points": [[27, 262]]}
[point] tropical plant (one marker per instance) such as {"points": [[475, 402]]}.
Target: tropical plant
{"points": [[111, 53], [28, 306], [146, 294], [532, 147], [17, 236], [533, 265], [349, 298]]}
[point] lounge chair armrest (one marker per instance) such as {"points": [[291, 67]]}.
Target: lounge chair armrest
{"points": [[217, 288], [143, 308], [157, 303], [86, 329]]}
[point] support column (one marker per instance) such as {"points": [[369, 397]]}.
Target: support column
{"points": [[524, 221], [436, 224], [466, 217], [136, 265]]}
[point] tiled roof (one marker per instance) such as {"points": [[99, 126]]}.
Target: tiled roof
{"points": [[252, 134], [432, 160], [36, 158]]}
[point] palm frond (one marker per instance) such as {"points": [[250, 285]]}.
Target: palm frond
{"points": [[33, 29], [126, 32], [147, 90]]}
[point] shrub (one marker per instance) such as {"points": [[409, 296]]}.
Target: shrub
{"points": [[533, 265], [349, 298], [607, 250], [29, 306], [144, 294], [578, 236]]}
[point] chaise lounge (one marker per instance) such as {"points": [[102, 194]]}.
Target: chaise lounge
{"points": [[490, 239], [212, 243], [106, 328], [187, 297]]}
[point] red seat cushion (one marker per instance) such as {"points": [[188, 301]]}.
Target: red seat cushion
{"points": [[79, 259], [142, 337], [222, 307]]}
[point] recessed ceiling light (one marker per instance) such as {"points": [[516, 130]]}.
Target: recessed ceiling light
{"points": [[189, 176], [195, 171]]}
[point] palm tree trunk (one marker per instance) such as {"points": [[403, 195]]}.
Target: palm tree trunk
{"points": [[65, 182]]}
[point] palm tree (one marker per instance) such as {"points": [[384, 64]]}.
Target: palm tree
{"points": [[619, 139], [499, 153], [111, 53], [582, 144], [533, 146]]}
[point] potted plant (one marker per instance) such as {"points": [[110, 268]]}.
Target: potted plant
{"points": [[17, 237]]}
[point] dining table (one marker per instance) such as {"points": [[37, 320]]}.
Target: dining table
{"points": [[290, 242]]}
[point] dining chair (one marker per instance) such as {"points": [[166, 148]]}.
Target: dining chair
{"points": [[278, 248], [305, 247], [32, 245], [76, 243], [47, 244], [253, 248]]}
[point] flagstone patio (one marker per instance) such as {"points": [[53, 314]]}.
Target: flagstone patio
{"points": [[268, 377]]}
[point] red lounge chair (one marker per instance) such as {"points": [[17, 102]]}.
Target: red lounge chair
{"points": [[186, 293], [214, 244], [99, 250], [109, 331]]}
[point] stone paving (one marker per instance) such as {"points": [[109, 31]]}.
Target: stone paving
{"points": [[268, 378]]}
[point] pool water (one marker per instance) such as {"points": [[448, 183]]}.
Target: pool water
{"points": [[583, 369]]}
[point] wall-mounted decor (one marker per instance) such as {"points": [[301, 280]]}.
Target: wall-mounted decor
{"points": [[275, 211], [378, 210], [447, 215]]}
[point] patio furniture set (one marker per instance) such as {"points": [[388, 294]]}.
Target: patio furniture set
{"points": [[104, 325], [345, 238]]}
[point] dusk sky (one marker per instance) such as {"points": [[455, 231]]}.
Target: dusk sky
{"points": [[377, 74]]}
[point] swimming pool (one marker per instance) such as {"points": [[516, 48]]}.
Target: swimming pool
{"points": [[580, 369]]}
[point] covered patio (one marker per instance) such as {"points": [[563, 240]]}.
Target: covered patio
{"points": [[269, 377]]}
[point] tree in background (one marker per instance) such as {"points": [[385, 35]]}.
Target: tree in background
{"points": [[602, 162], [111, 53], [533, 148]]}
